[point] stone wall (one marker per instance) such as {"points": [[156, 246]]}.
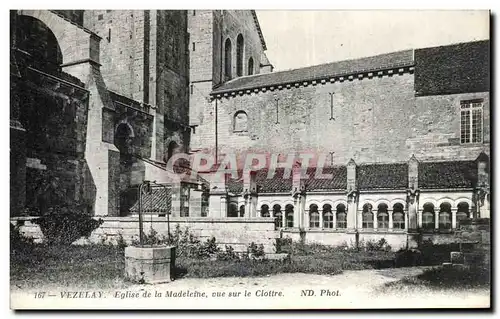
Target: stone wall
{"points": [[122, 49], [375, 120], [435, 128], [208, 30], [397, 240], [369, 124], [239, 233]]}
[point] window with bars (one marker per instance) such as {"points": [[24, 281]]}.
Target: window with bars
{"points": [[471, 121]]}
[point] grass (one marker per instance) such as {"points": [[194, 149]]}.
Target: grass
{"points": [[95, 266], [439, 278], [101, 266]]}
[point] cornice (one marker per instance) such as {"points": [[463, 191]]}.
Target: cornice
{"points": [[340, 78]]}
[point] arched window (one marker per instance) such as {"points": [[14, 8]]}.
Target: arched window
{"points": [[445, 216], [227, 60], [278, 215], [398, 216], [264, 211], [289, 215], [242, 211], [240, 47], [327, 216], [233, 210], [124, 135], [313, 216], [250, 66], [240, 122], [382, 216], [428, 220], [341, 216], [462, 212], [367, 216]]}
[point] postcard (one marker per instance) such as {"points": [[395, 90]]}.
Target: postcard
{"points": [[250, 159]]}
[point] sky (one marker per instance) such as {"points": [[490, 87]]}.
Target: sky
{"points": [[302, 38]]}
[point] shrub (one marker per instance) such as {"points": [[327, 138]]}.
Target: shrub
{"points": [[17, 240], [65, 224], [282, 244], [408, 258], [227, 254], [256, 251], [120, 242], [380, 245]]}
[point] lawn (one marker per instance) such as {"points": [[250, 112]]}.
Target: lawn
{"points": [[101, 266], [440, 278]]}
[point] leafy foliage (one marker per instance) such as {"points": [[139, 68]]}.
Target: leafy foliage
{"points": [[256, 251], [65, 224]]}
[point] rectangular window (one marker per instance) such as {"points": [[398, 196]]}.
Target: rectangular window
{"points": [[194, 46], [471, 121]]}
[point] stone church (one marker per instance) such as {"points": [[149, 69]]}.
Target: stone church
{"points": [[403, 137]]}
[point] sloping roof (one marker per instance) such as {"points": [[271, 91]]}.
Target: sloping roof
{"points": [[393, 176], [455, 174], [377, 62], [275, 184], [382, 176], [337, 179], [160, 200], [451, 69]]}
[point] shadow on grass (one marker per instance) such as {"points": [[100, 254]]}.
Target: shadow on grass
{"points": [[457, 277]]}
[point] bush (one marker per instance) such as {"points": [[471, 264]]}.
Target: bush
{"points": [[187, 244], [64, 225], [227, 254], [408, 258], [380, 245], [17, 240], [256, 251]]}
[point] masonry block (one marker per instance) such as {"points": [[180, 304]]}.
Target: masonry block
{"points": [[150, 264]]}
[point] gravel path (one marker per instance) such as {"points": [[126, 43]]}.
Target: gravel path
{"points": [[351, 289]]}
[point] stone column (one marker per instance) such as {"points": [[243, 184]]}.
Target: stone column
{"points": [[413, 216], [406, 221], [391, 226], [307, 218], [320, 211], [223, 207], [453, 219], [436, 220], [359, 219], [352, 212], [334, 219], [375, 219]]}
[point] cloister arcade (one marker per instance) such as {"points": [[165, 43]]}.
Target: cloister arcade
{"points": [[381, 215]]}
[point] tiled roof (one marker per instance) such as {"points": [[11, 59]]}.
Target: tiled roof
{"points": [[392, 176], [451, 69], [382, 176], [160, 200], [447, 174], [277, 184], [337, 179], [377, 62]]}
